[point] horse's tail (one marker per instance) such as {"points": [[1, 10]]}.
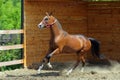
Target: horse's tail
{"points": [[95, 49]]}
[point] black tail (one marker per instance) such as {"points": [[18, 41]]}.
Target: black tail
{"points": [[95, 47]]}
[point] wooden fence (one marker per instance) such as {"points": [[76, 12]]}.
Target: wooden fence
{"points": [[18, 46]]}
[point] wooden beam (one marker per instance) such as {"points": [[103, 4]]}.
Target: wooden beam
{"points": [[11, 31], [8, 63], [18, 46]]}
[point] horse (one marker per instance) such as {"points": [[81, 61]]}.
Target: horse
{"points": [[60, 38]]}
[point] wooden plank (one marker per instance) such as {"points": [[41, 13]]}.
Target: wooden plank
{"points": [[8, 63], [18, 46], [11, 31]]}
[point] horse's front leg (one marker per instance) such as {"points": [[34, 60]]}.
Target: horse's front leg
{"points": [[58, 50], [42, 65], [49, 56], [46, 59]]}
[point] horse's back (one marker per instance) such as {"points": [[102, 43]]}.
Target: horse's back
{"points": [[74, 42]]}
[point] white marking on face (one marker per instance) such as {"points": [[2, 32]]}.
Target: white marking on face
{"points": [[41, 25]]}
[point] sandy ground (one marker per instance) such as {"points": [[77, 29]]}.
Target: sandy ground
{"points": [[98, 71]]}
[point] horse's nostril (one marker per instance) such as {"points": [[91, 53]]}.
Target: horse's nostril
{"points": [[39, 26]]}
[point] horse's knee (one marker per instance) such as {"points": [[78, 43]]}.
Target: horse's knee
{"points": [[45, 60], [48, 56]]}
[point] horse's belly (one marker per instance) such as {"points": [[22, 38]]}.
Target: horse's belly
{"points": [[74, 44]]}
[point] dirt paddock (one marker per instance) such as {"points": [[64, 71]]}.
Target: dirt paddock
{"points": [[93, 71]]}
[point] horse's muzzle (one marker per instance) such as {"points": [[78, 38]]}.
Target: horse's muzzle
{"points": [[39, 26]]}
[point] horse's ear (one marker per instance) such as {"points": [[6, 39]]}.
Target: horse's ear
{"points": [[51, 13], [47, 14]]}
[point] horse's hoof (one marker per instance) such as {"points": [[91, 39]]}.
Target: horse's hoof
{"points": [[68, 73], [82, 70], [38, 71], [63, 72], [49, 65]]}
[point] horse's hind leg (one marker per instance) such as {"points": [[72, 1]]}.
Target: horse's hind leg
{"points": [[83, 62], [76, 64]]}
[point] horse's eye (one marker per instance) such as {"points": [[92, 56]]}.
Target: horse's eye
{"points": [[46, 19]]}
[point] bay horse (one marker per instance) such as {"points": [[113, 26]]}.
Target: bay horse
{"points": [[60, 38]]}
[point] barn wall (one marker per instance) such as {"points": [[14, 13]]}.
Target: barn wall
{"points": [[104, 25], [100, 20], [71, 14]]}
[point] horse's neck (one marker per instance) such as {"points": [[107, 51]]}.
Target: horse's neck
{"points": [[56, 29]]}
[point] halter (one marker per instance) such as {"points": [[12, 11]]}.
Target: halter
{"points": [[49, 25]]}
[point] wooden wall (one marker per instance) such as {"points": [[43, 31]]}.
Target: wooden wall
{"points": [[104, 24], [71, 14]]}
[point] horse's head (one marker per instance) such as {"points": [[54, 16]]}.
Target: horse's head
{"points": [[47, 21]]}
